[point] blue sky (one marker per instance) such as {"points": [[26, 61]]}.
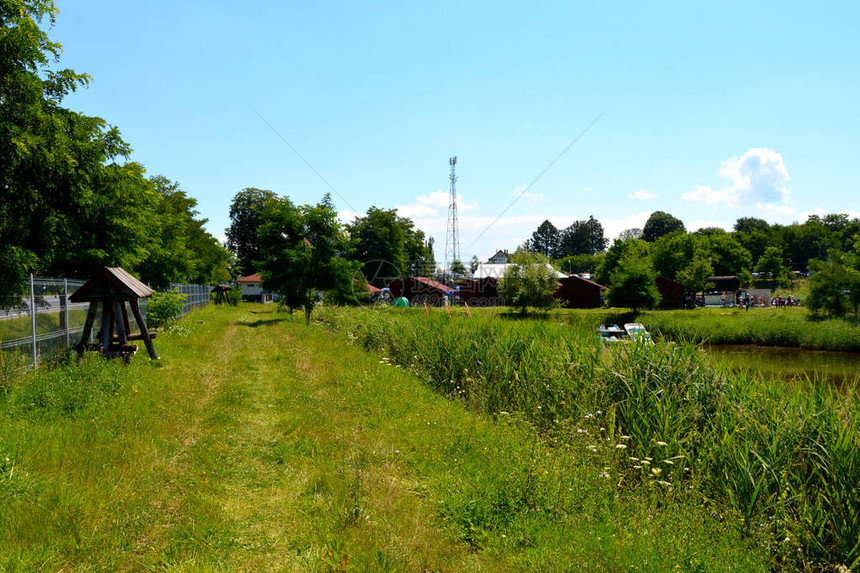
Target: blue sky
{"points": [[710, 112]]}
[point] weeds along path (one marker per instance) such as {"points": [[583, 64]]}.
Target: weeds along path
{"points": [[260, 444]]}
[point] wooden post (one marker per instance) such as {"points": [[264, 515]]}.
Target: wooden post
{"points": [[88, 326], [120, 322], [107, 325], [135, 309]]}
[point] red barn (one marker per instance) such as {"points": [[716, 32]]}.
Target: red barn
{"points": [[672, 293], [481, 292], [420, 290], [577, 292]]}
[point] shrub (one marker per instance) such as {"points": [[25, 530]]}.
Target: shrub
{"points": [[165, 307]]}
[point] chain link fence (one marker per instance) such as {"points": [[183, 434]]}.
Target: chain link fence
{"points": [[39, 325]]}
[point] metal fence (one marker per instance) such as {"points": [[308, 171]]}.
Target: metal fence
{"points": [[41, 324]]}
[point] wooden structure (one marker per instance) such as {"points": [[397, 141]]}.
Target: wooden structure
{"points": [[419, 290], [113, 287], [577, 292], [220, 292], [672, 293], [481, 292]]}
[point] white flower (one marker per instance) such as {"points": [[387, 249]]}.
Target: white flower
{"points": [[620, 447]]}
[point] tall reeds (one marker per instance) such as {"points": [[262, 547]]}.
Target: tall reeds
{"points": [[785, 458]]}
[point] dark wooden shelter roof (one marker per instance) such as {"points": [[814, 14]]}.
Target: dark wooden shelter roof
{"points": [[111, 283], [222, 288]]}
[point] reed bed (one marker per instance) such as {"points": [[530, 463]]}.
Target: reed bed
{"points": [[765, 326], [785, 460]]}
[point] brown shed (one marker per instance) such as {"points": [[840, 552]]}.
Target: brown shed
{"points": [[420, 290], [481, 292], [113, 287], [577, 292], [672, 293]]}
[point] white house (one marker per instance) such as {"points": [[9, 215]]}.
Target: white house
{"points": [[252, 289]]}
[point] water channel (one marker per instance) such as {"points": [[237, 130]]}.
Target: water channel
{"points": [[789, 363]]}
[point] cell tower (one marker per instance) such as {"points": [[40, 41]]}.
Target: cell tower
{"points": [[452, 238]]}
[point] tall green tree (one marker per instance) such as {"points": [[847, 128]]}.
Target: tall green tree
{"points": [[582, 238], [614, 255], [674, 252], [830, 287], [66, 205], [243, 233], [545, 240], [633, 284], [726, 255], [660, 223], [771, 265], [392, 242], [302, 252], [529, 281]]}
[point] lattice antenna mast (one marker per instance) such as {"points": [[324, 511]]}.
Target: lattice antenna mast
{"points": [[452, 238]]}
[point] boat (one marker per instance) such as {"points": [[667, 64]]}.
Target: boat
{"points": [[632, 331]]}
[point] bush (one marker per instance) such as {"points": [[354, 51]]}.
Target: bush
{"points": [[165, 307]]}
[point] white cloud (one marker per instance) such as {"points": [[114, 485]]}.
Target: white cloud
{"points": [[433, 204], [613, 227], [802, 217], [642, 195], [758, 177], [347, 216], [520, 192]]}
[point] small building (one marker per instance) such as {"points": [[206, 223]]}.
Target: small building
{"points": [[672, 293], [481, 292], [724, 291], [252, 289], [499, 258], [577, 292], [419, 290]]}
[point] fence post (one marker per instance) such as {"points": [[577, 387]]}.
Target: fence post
{"points": [[33, 321], [64, 310]]}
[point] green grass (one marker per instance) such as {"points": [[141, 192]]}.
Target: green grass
{"points": [[259, 444], [786, 459]]}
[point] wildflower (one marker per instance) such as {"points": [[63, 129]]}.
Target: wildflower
{"points": [[656, 471], [620, 447], [588, 416], [664, 483], [604, 474]]}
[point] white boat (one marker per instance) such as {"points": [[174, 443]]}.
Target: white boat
{"points": [[632, 331]]}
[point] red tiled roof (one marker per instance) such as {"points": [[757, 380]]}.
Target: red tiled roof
{"points": [[255, 278], [433, 284]]}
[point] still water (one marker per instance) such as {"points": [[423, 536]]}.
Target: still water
{"points": [[789, 362]]}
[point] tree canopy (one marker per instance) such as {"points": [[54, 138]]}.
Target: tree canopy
{"points": [[660, 223], [70, 201], [529, 281]]}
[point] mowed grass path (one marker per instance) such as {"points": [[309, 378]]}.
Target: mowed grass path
{"points": [[259, 444]]}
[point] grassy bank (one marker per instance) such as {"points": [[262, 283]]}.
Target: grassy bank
{"points": [[258, 444], [785, 460], [765, 326]]}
